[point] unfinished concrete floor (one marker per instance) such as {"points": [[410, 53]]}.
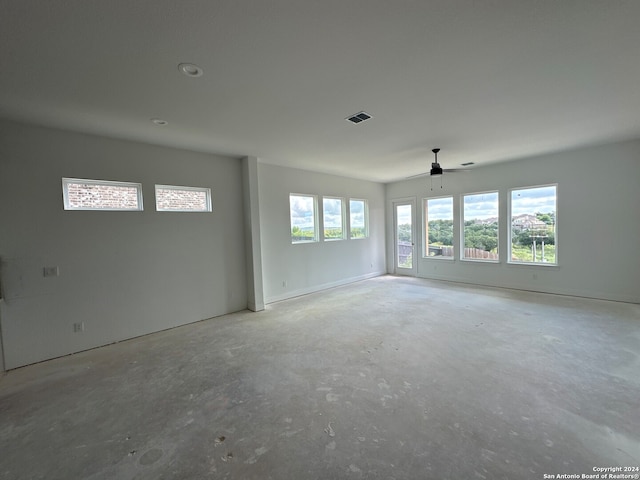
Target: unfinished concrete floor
{"points": [[389, 378]]}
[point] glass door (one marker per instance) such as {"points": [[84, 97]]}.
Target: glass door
{"points": [[404, 233]]}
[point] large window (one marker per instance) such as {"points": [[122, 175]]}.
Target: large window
{"points": [[438, 221], [333, 218], [170, 198], [480, 226], [87, 194], [533, 225], [358, 218], [303, 214]]}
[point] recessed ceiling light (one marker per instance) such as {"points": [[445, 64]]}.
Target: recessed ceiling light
{"points": [[160, 122], [190, 69]]}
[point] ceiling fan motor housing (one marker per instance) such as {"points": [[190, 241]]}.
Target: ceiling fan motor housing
{"points": [[436, 169]]}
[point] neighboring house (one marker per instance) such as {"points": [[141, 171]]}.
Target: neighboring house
{"points": [[526, 222]]}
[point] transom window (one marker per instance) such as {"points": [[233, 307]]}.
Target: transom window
{"points": [[88, 194], [171, 198]]}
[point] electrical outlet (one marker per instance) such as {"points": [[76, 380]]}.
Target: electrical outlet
{"points": [[284, 283], [50, 271], [78, 327]]}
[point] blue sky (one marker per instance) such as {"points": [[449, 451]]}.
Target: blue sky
{"points": [[440, 208], [480, 206], [332, 212], [533, 200], [476, 207], [356, 210], [404, 214], [302, 211], [485, 205]]}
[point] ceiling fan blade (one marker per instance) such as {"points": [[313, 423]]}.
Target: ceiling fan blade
{"points": [[436, 169], [418, 175]]}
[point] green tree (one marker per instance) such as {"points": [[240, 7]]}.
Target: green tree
{"points": [[548, 218], [481, 236], [441, 232], [525, 237], [357, 232], [332, 233], [404, 232]]}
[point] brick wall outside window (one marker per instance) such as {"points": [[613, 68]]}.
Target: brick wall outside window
{"points": [[174, 199], [88, 196]]}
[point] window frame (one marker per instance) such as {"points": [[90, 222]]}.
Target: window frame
{"points": [[66, 181], [343, 226], [510, 261], [316, 222], [425, 228], [462, 235], [205, 190], [365, 214]]}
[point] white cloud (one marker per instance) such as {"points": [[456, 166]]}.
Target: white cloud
{"points": [[533, 200], [440, 208], [302, 211], [480, 206]]}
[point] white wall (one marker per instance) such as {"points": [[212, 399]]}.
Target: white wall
{"points": [[123, 274], [310, 267], [598, 222]]}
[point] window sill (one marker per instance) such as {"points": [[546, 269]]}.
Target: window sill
{"points": [[479, 260], [531, 264]]}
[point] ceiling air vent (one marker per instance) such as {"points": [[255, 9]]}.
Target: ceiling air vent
{"points": [[359, 117]]}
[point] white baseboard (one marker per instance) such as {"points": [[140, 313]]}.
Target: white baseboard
{"points": [[539, 289], [318, 288]]}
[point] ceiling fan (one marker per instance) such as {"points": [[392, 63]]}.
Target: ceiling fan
{"points": [[437, 170]]}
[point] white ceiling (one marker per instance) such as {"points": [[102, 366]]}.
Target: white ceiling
{"points": [[486, 81]]}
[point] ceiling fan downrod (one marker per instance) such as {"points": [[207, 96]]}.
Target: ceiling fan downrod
{"points": [[435, 168]]}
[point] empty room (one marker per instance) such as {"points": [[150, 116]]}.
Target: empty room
{"points": [[319, 240]]}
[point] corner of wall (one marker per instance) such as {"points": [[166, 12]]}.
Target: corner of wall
{"points": [[253, 247]]}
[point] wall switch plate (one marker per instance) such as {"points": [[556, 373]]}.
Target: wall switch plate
{"points": [[50, 271], [78, 327]]}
